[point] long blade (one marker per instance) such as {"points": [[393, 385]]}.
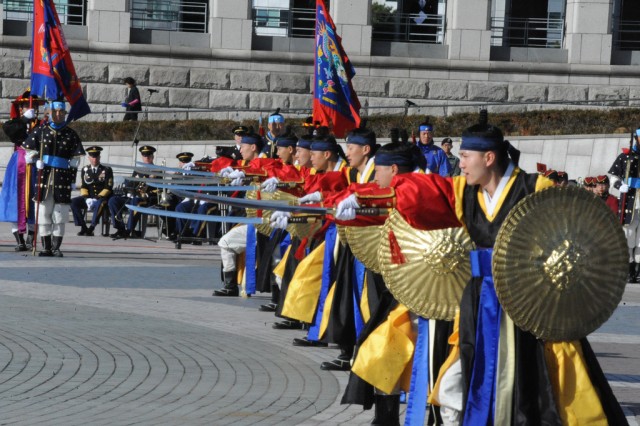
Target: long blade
{"points": [[252, 204], [164, 171], [198, 217], [219, 188], [194, 182], [175, 170]]}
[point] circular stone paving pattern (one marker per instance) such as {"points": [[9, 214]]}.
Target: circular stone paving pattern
{"points": [[72, 365]]}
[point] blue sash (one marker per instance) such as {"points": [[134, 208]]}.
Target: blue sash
{"points": [[481, 399], [250, 261], [418, 391], [634, 183], [55, 162], [358, 289], [327, 269]]}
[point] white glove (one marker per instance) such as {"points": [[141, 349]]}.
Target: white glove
{"points": [[279, 220], [39, 165], [29, 156], [270, 185], [186, 200], [29, 114], [202, 202], [347, 208], [90, 202], [188, 166], [74, 162], [226, 171], [314, 197], [237, 176], [624, 188], [74, 186]]}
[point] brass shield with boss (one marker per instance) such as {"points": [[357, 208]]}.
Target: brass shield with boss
{"points": [[425, 270], [560, 263]]}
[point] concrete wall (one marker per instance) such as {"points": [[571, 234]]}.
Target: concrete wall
{"points": [[579, 155]]}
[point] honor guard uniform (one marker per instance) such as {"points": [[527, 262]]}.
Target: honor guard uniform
{"points": [[95, 190], [624, 175], [58, 146], [140, 194], [437, 160], [276, 129], [16, 206], [187, 205], [602, 191]]}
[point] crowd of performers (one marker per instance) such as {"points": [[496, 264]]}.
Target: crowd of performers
{"points": [[477, 374], [481, 368]]}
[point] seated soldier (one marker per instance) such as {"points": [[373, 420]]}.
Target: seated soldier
{"points": [[95, 190], [140, 194]]}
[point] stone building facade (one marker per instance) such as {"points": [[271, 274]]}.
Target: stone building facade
{"points": [[239, 56]]}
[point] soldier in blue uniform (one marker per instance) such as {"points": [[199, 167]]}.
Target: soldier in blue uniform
{"points": [[95, 190], [58, 147]]}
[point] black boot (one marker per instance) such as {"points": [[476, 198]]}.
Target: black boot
{"points": [[46, 247], [342, 363], [387, 410], [29, 242], [22, 246], [275, 297], [83, 231], [633, 274], [56, 243], [230, 285]]}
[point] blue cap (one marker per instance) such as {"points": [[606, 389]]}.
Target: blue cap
{"points": [[426, 127], [324, 146], [286, 141], [305, 143], [276, 118], [252, 140], [58, 105], [360, 140], [483, 144]]}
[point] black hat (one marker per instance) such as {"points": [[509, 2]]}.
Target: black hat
{"points": [[446, 140], [94, 151], [240, 130], [147, 150], [185, 157]]}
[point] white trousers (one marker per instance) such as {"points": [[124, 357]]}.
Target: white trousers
{"points": [[52, 217], [632, 232], [231, 244], [14, 227]]}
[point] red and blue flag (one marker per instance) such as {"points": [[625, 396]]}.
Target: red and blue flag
{"points": [[52, 69], [335, 103]]}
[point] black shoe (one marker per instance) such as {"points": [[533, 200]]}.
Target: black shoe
{"points": [[83, 231], [136, 235], [89, 232], [46, 247], [227, 292], [196, 243], [120, 234], [306, 342], [55, 247], [21, 246], [336, 365], [287, 325], [269, 307]]}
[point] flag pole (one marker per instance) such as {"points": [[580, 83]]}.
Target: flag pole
{"points": [[35, 226]]}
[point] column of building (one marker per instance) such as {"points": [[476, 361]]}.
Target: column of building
{"points": [[231, 24], [588, 34]]}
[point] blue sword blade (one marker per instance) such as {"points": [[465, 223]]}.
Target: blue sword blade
{"points": [[176, 170], [198, 217], [220, 188], [252, 204]]}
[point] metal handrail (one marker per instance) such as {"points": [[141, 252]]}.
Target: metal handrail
{"points": [[169, 15], [627, 35], [22, 10], [284, 22], [409, 27], [527, 32]]}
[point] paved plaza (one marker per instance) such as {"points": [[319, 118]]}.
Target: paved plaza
{"points": [[127, 332]]}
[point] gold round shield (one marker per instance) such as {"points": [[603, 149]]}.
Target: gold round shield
{"points": [[299, 230], [263, 228], [434, 271], [560, 263], [364, 242]]}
